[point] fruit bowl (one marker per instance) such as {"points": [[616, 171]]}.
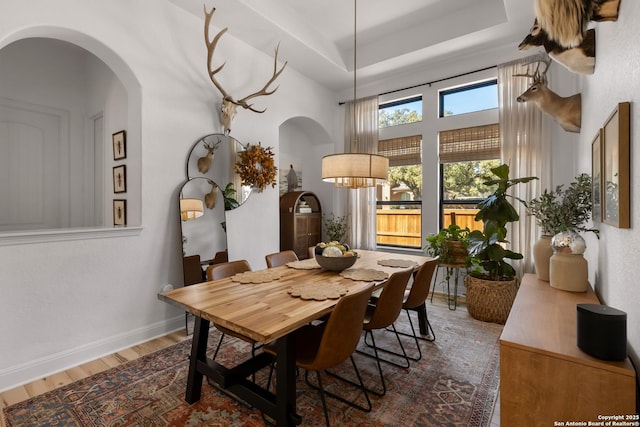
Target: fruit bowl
{"points": [[336, 263]]}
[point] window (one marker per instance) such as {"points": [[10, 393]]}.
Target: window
{"points": [[399, 112], [466, 157], [469, 98], [399, 206]]}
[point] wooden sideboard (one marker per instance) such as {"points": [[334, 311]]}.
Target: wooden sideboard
{"points": [[545, 379]]}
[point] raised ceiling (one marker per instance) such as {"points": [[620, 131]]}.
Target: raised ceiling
{"points": [[316, 36]]}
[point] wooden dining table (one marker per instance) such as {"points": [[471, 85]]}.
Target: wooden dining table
{"points": [[268, 312]]}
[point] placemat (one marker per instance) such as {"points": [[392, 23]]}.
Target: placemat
{"points": [[401, 263], [317, 293], [305, 264], [364, 274], [259, 276]]}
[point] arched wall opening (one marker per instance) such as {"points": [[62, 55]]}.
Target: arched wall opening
{"points": [[62, 97]]}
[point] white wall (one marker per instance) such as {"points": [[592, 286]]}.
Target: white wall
{"points": [[616, 79], [67, 301]]}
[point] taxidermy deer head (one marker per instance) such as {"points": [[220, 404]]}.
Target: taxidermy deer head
{"points": [[211, 196], [567, 112], [229, 105], [204, 163]]}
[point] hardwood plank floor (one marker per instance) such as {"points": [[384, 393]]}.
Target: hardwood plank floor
{"points": [[43, 385]]}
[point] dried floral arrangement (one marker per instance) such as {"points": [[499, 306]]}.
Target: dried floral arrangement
{"points": [[256, 167]]}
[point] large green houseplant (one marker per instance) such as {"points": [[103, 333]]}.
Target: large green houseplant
{"points": [[492, 285]]}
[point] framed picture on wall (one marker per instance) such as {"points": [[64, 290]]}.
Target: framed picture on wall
{"points": [[119, 212], [615, 167], [119, 140], [120, 179], [596, 177]]}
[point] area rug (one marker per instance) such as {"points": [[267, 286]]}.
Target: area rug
{"points": [[455, 384]]}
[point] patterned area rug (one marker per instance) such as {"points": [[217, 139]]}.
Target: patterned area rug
{"points": [[455, 384]]}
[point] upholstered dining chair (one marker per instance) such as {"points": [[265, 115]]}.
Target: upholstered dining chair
{"points": [[227, 269], [220, 271], [324, 346], [414, 300], [191, 274], [280, 258], [382, 314]]}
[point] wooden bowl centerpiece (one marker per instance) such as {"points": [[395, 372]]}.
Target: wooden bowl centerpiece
{"points": [[334, 256]]}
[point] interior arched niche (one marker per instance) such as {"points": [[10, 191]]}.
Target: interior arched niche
{"points": [[60, 103], [303, 142]]}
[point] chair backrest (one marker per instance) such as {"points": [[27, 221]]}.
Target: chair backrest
{"points": [[389, 303], [421, 285], [191, 270], [227, 269], [312, 251], [343, 329], [280, 258]]}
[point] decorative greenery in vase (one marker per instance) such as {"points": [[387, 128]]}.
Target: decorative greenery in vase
{"points": [[450, 245], [564, 209], [335, 226], [496, 211]]}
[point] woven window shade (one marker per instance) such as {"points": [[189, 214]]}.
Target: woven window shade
{"points": [[402, 151], [468, 144]]}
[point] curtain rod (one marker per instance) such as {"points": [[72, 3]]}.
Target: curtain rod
{"points": [[432, 82]]}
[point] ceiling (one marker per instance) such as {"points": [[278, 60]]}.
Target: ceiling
{"points": [[317, 36]]}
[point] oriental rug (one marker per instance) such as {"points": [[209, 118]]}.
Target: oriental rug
{"points": [[455, 384]]}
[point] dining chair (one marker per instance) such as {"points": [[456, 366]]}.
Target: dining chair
{"points": [[324, 346], [382, 314], [221, 271], [280, 258], [191, 274], [227, 269], [414, 300], [312, 252]]}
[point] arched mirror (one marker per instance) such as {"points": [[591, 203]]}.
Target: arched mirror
{"points": [[212, 187]]}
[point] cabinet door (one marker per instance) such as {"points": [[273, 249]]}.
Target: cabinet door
{"points": [[314, 230], [301, 239]]}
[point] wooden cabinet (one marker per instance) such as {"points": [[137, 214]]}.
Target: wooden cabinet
{"points": [[300, 222], [545, 379]]}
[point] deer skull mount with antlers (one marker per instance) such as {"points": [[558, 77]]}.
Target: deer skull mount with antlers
{"points": [[567, 112], [229, 104]]}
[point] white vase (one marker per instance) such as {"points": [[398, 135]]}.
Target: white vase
{"points": [[542, 253]]}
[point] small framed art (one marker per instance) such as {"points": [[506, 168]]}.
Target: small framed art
{"points": [[120, 179], [596, 177], [119, 140], [119, 212], [615, 167]]}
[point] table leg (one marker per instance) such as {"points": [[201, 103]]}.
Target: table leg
{"points": [[198, 354], [286, 382]]}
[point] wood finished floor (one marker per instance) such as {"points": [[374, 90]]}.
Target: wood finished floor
{"points": [[46, 384]]}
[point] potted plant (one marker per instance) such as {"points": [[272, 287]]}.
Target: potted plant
{"points": [[335, 226], [492, 285], [450, 245], [557, 211]]}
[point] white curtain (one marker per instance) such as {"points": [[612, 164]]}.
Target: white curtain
{"points": [[364, 139], [526, 148]]}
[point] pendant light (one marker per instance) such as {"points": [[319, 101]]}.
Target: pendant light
{"points": [[355, 170]]}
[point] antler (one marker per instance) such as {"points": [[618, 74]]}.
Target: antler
{"points": [[211, 46], [537, 76]]}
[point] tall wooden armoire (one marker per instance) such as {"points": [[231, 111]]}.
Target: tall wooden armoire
{"points": [[300, 222]]}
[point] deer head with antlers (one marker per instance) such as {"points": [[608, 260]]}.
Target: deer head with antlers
{"points": [[567, 112], [229, 104]]}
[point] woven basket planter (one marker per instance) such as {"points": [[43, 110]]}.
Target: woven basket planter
{"points": [[490, 301]]}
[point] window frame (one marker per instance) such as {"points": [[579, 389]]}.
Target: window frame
{"points": [[442, 93]]}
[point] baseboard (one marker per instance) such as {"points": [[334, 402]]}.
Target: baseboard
{"points": [[39, 368]]}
